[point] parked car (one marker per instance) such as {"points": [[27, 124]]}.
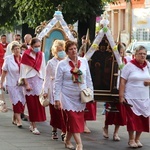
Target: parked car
{"points": [[130, 49]]}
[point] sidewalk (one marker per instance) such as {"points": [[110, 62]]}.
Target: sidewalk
{"points": [[13, 138]]}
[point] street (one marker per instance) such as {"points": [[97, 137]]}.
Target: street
{"points": [[13, 138]]}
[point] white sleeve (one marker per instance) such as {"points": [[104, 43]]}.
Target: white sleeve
{"points": [[47, 78], [43, 65], [126, 71], [5, 65], [22, 71], [88, 76], [58, 82]]}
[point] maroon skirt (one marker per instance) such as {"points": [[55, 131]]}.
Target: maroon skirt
{"points": [[35, 109], [57, 118], [18, 108], [74, 121], [116, 118], [90, 114], [137, 123]]}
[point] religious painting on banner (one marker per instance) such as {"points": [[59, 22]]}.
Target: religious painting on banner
{"points": [[56, 28], [104, 61]]}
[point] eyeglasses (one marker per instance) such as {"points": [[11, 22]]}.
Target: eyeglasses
{"points": [[142, 54], [17, 48], [72, 48]]}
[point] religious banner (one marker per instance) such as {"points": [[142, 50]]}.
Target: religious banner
{"points": [[104, 31]]}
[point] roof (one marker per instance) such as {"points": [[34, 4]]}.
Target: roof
{"points": [[58, 17], [104, 31]]}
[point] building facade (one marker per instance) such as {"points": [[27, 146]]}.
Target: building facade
{"points": [[130, 20]]}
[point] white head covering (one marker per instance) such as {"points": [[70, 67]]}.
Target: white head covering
{"points": [[9, 46]]}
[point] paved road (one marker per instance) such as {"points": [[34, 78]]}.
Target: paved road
{"points": [[13, 138]]}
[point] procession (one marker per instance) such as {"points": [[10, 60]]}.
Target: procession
{"points": [[61, 89]]}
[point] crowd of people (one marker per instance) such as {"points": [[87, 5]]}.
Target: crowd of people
{"points": [[62, 79]]}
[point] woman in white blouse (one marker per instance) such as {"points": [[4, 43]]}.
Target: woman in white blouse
{"points": [[134, 89], [11, 70], [32, 70], [57, 120], [72, 75]]}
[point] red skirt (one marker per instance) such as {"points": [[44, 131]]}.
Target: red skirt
{"points": [[74, 121], [90, 114], [116, 118], [1, 64], [18, 108], [35, 109], [57, 118], [137, 123]]}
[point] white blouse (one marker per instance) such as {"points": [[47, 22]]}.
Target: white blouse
{"points": [[68, 92], [28, 72], [13, 70], [136, 93], [128, 59], [12, 76], [50, 77]]}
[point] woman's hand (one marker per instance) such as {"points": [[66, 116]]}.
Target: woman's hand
{"points": [[2, 87], [121, 99], [147, 83], [57, 104], [45, 95], [28, 88]]}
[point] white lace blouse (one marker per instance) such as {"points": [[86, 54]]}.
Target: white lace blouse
{"points": [[65, 90], [50, 78], [35, 78]]}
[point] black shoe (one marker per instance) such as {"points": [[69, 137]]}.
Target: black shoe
{"points": [[62, 136], [24, 119], [54, 135], [14, 123], [19, 125], [22, 115]]}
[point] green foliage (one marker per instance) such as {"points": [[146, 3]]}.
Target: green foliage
{"points": [[81, 10], [32, 12], [8, 16]]}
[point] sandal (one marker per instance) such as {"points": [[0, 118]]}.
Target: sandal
{"points": [[139, 144], [31, 128], [14, 123], [132, 144], [19, 125], [68, 145], [63, 136], [79, 147], [54, 135], [86, 130], [105, 133], [35, 131], [116, 137]]}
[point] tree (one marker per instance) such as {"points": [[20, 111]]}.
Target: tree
{"points": [[34, 12], [8, 16], [84, 11]]}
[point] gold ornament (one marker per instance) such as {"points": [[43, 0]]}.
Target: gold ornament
{"points": [[115, 48], [95, 46]]}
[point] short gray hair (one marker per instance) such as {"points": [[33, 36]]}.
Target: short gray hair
{"points": [[138, 48], [15, 45]]}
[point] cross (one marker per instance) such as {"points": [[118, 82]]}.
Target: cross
{"points": [[59, 7]]}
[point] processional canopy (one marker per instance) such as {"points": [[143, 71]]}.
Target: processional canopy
{"points": [[105, 61]]}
